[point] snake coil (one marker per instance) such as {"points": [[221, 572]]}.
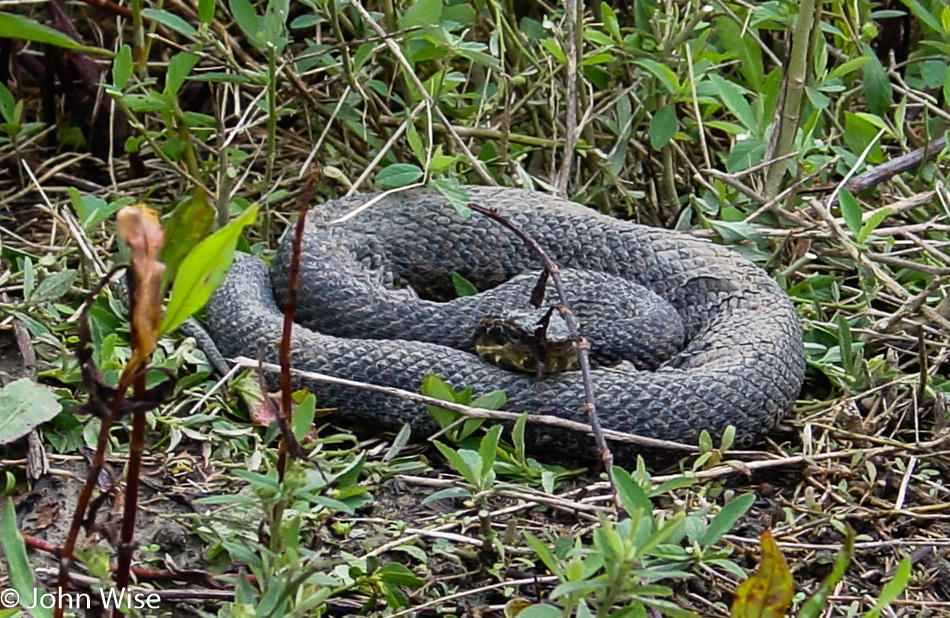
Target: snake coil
{"points": [[742, 365]]}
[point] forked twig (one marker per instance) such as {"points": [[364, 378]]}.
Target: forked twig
{"points": [[554, 272]]}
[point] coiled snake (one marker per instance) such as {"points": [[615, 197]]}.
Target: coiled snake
{"points": [[742, 363]]}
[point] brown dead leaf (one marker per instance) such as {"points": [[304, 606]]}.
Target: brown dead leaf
{"points": [[140, 228]]}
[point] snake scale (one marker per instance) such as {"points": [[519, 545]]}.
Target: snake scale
{"points": [[742, 363]]}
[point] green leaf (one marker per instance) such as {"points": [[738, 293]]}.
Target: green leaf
{"points": [[492, 400], [663, 73], [122, 68], [850, 210], [631, 495], [738, 40], [206, 11], [25, 405], [8, 106], [726, 519], [554, 48], [92, 210], [448, 493], [463, 287], [663, 127], [609, 17], [179, 67], [395, 573], [458, 462], [545, 554], [189, 224], [303, 416], [248, 20], [422, 13], [170, 21], [20, 572], [892, 589], [815, 605], [877, 85], [488, 450], [398, 175], [202, 271], [540, 610], [19, 27], [735, 102], [54, 286], [871, 224]]}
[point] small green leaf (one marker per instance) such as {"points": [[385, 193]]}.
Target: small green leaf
{"points": [[170, 21], [877, 85], [492, 400], [631, 495], [871, 224], [850, 210], [463, 287], [206, 11], [122, 67], [663, 127], [189, 224], [25, 405], [458, 463], [488, 450], [303, 416], [202, 271], [398, 175], [179, 67]]}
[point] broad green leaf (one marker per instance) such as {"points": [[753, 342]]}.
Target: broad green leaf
{"points": [[735, 101], [539, 610], [19, 27], [860, 131], [877, 85], [422, 13], [93, 210], [8, 106], [171, 21], [850, 211], [202, 270], [248, 20], [54, 286], [663, 127], [609, 17], [398, 175], [554, 48], [846, 68], [768, 593], [122, 68], [738, 40], [488, 450], [726, 519], [19, 570], [924, 15], [492, 400], [189, 224], [25, 405]]}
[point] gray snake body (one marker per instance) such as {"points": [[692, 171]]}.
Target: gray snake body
{"points": [[742, 365]]}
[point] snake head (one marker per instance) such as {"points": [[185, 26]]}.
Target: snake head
{"points": [[535, 342]]}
